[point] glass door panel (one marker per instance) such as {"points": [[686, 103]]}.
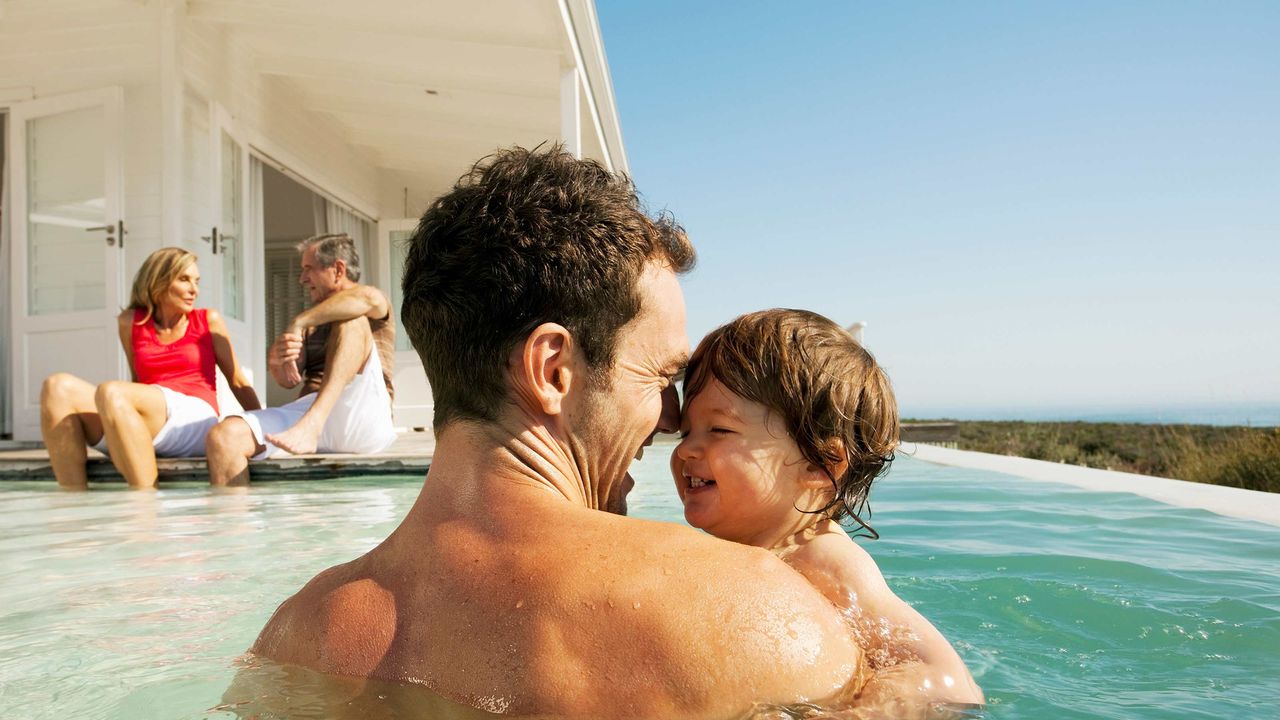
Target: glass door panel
{"points": [[66, 212], [414, 405], [231, 227], [397, 252], [199, 213], [67, 229]]}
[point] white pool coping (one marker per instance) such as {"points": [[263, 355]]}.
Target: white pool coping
{"points": [[1233, 502]]}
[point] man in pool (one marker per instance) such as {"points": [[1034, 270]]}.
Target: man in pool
{"points": [[546, 309]]}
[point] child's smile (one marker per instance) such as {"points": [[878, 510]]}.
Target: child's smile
{"points": [[739, 474]]}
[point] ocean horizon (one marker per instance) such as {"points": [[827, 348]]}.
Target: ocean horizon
{"points": [[1243, 415]]}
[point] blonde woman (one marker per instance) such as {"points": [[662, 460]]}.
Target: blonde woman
{"points": [[172, 349]]}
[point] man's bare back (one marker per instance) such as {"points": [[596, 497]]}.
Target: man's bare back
{"points": [[547, 311], [635, 618]]}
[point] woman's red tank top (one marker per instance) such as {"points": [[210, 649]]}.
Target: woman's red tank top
{"points": [[185, 366]]}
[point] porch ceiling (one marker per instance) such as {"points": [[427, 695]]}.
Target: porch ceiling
{"points": [[421, 87]]}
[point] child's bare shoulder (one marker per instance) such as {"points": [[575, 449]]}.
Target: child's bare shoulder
{"points": [[837, 566]]}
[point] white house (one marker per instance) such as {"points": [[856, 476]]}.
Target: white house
{"points": [[234, 128]]}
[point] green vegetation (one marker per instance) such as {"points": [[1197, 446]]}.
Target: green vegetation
{"points": [[1233, 456]]}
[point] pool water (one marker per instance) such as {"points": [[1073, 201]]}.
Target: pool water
{"points": [[1065, 603]]}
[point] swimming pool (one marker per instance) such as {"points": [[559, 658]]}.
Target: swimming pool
{"points": [[1065, 603]]}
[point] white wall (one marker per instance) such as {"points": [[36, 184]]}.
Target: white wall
{"points": [[269, 117], [274, 118]]}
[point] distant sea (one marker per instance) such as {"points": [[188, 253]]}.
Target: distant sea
{"points": [[1253, 415]]}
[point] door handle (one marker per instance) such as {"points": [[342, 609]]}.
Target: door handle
{"points": [[212, 239], [111, 232]]}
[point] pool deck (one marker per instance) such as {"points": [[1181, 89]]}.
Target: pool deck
{"points": [[410, 454], [1233, 502]]}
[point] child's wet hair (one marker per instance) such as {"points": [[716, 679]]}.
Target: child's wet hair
{"points": [[833, 398]]}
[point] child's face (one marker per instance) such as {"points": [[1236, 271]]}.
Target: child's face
{"points": [[740, 475]]}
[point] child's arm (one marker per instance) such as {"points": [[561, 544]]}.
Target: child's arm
{"points": [[909, 657]]}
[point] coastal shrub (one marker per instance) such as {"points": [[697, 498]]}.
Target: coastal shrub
{"points": [[1232, 456], [1249, 459]]}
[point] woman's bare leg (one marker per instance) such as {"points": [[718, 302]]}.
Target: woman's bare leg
{"points": [[69, 423], [132, 415]]}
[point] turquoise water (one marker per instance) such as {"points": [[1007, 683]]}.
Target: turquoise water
{"points": [[1065, 603]]}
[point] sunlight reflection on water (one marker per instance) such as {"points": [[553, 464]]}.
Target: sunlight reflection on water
{"points": [[1065, 603]]}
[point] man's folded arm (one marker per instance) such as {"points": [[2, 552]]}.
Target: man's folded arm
{"points": [[359, 301]]}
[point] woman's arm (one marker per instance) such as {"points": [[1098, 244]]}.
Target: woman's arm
{"points": [[124, 323], [226, 359]]}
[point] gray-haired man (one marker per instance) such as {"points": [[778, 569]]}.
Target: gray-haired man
{"points": [[340, 352]]}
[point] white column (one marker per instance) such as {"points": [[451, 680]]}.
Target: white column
{"points": [[570, 113], [171, 19]]}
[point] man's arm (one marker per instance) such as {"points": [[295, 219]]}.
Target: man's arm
{"points": [[285, 357], [358, 301]]}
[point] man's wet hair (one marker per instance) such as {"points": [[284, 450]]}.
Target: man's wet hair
{"points": [[526, 237], [833, 398]]}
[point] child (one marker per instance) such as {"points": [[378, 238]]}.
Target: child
{"points": [[787, 420]]}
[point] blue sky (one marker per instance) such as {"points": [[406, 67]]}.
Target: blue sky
{"points": [[1032, 205]]}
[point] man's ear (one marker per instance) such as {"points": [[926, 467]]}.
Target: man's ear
{"points": [[545, 369], [340, 266]]}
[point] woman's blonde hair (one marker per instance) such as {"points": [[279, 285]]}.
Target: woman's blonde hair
{"points": [[155, 276]]}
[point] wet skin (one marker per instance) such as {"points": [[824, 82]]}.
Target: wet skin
{"points": [[514, 584]]}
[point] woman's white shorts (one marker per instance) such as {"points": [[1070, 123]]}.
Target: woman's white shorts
{"points": [[187, 420]]}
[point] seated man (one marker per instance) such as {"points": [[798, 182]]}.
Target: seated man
{"points": [[340, 351], [546, 308]]}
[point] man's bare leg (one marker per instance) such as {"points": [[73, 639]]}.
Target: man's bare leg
{"points": [[228, 447], [132, 415], [348, 349], [69, 423]]}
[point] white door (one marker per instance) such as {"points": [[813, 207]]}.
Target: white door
{"points": [[215, 200], [200, 193], [68, 235], [233, 242], [413, 404], [230, 251]]}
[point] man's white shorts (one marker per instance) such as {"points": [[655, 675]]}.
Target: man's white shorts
{"points": [[187, 420], [360, 422]]}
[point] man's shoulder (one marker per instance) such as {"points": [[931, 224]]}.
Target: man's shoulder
{"points": [[342, 621], [379, 301], [695, 604], [669, 618], [737, 611], [365, 288]]}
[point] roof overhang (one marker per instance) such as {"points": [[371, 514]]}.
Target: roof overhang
{"points": [[427, 88]]}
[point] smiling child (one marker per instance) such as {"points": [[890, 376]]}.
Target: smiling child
{"points": [[787, 421]]}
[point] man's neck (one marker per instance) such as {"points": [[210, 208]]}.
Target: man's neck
{"points": [[485, 463]]}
